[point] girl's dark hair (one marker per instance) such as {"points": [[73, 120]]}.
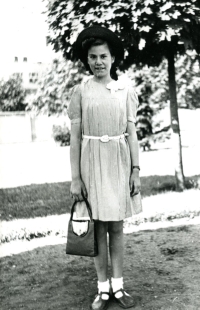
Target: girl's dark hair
{"points": [[87, 44]]}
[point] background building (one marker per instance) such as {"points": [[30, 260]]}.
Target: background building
{"points": [[23, 37], [24, 51]]}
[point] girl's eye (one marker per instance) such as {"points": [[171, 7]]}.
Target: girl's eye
{"points": [[92, 57]]}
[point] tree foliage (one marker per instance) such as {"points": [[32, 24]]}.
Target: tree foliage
{"points": [[147, 28], [151, 84], [12, 94], [55, 86], [188, 81]]}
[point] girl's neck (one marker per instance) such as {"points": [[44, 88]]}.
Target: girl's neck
{"points": [[103, 81]]}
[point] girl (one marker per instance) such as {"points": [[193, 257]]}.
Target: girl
{"points": [[104, 154]]}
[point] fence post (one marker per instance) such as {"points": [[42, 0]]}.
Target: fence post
{"points": [[33, 129]]}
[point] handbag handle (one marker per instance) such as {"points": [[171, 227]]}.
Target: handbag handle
{"points": [[87, 205]]}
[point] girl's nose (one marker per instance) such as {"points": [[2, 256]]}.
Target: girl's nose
{"points": [[98, 60]]}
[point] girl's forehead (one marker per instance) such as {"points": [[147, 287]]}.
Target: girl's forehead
{"points": [[99, 49]]}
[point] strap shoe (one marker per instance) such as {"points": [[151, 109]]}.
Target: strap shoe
{"points": [[126, 301], [99, 303]]}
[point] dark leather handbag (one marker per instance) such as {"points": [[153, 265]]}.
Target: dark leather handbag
{"points": [[85, 244]]}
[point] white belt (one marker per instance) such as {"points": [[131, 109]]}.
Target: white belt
{"points": [[106, 138]]}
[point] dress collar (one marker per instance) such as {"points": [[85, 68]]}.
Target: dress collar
{"points": [[114, 86]]}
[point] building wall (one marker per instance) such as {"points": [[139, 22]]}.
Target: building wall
{"points": [[22, 127], [29, 71]]}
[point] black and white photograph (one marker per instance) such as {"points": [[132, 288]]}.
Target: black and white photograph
{"points": [[100, 154]]}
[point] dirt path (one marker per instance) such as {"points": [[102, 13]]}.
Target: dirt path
{"points": [[162, 271]]}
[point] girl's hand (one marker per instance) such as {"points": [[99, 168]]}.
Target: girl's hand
{"points": [[134, 183], [76, 190]]}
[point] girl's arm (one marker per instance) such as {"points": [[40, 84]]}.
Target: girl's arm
{"points": [[77, 185], [134, 151]]}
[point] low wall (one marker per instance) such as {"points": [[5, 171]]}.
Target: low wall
{"points": [[15, 127], [190, 126], [22, 127]]}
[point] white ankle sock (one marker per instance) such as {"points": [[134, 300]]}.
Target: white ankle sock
{"points": [[117, 284], [104, 287]]}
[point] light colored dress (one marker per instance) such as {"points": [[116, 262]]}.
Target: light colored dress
{"points": [[106, 166]]}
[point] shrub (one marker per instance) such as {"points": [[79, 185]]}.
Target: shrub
{"points": [[61, 134], [12, 94]]}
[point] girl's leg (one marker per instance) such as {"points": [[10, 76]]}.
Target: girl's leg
{"points": [[101, 260], [101, 263], [116, 247]]}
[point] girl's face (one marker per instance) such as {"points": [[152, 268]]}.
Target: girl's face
{"points": [[100, 61]]}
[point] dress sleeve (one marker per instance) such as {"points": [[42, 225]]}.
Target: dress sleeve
{"points": [[132, 105], [74, 108]]}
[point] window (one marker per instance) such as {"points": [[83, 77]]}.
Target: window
{"points": [[33, 77], [16, 74], [16, 59], [25, 59]]}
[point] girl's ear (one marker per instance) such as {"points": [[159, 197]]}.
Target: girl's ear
{"points": [[113, 59]]}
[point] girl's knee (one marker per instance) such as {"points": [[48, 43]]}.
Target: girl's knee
{"points": [[101, 228], [115, 227]]}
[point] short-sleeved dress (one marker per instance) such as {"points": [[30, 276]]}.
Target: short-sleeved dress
{"points": [[106, 166]]}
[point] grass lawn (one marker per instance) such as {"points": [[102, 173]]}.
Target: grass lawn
{"points": [[34, 200], [40, 200]]}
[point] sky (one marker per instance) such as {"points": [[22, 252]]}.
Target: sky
{"points": [[22, 28]]}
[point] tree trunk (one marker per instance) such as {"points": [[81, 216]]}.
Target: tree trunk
{"points": [[176, 136], [198, 178]]}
